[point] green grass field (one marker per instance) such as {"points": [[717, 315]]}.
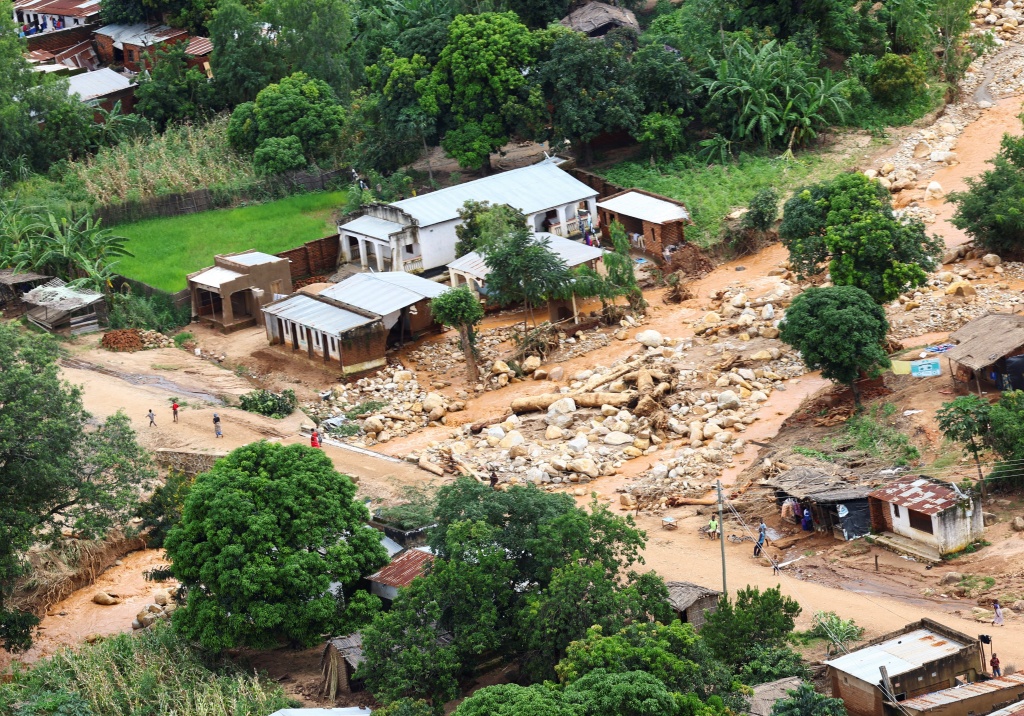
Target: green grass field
{"points": [[167, 250]]}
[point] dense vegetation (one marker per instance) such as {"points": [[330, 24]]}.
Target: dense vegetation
{"points": [[58, 472]]}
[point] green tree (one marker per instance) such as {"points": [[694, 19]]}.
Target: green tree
{"points": [[56, 472], [170, 91], [990, 211], [244, 59], [1005, 434], [805, 701], [895, 79], [672, 653], [762, 210], [952, 22], [515, 700], [163, 510], [480, 83], [297, 106], [764, 619], [591, 89], [770, 663], [849, 224], [618, 266], [68, 129], [661, 133], [407, 707], [395, 126], [460, 309], [965, 420], [314, 38], [522, 268], [840, 331], [630, 693], [262, 537], [277, 155], [483, 223]]}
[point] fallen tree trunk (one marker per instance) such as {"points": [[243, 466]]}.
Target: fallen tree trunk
{"points": [[533, 403], [431, 467], [599, 380]]}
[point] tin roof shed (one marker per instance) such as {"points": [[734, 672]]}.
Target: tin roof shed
{"points": [[920, 494], [403, 569], [899, 655], [383, 293]]}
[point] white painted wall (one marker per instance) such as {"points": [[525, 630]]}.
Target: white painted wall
{"points": [[384, 591], [952, 530], [437, 242]]}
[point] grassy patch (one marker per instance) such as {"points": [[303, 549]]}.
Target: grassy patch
{"points": [[871, 433], [877, 117], [151, 672], [969, 549], [711, 192], [168, 249], [810, 452], [972, 583]]}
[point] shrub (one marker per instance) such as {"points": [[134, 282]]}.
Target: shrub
{"points": [[274, 405], [182, 338], [163, 510], [277, 155], [763, 210], [895, 79], [417, 510], [154, 313]]}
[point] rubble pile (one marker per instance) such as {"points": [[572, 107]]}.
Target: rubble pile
{"points": [[445, 355], [955, 295], [635, 407], [134, 339], [399, 405]]}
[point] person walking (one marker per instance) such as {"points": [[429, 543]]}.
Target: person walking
{"points": [[713, 528], [216, 426], [152, 418], [174, 410], [762, 535], [998, 609], [994, 663]]}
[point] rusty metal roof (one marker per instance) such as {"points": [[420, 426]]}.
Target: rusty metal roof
{"points": [[967, 691], [403, 569], [199, 47], [899, 655], [1012, 710], [920, 494]]}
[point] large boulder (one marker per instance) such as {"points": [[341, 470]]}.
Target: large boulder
{"points": [[511, 439], [584, 466], [563, 405], [951, 578], [934, 191], [1018, 524], [650, 338], [433, 400], [991, 260], [728, 400], [373, 424], [617, 437], [499, 366], [531, 364], [577, 445], [104, 599]]}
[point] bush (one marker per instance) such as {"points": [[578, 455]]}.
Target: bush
{"points": [[417, 510], [182, 338], [274, 405], [763, 210], [153, 313], [163, 510], [277, 155], [895, 79]]}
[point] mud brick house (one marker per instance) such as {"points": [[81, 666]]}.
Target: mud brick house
{"points": [[980, 697], [921, 658], [989, 353], [924, 518], [418, 234], [45, 16], [353, 322], [692, 602], [654, 223], [230, 294], [103, 88], [127, 45]]}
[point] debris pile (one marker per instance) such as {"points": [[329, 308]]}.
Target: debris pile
{"points": [[129, 340]]}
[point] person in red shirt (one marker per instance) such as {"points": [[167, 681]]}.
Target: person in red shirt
{"points": [[994, 662], [174, 410], [314, 439]]}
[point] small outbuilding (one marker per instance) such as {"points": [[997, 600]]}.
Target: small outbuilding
{"points": [[989, 354], [979, 697], [655, 224], [766, 695], [134, 45], [103, 88], [692, 602], [59, 308], [13, 286], [230, 294], [402, 300], [341, 657], [921, 658], [838, 503], [925, 518], [403, 569], [597, 19]]}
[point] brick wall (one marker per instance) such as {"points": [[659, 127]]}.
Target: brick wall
{"points": [[364, 345], [314, 257], [881, 518], [603, 187], [105, 49], [60, 39], [861, 698]]}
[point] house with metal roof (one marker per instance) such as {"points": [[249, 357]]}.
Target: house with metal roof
{"points": [[403, 569], [130, 45], [654, 223], [230, 294], [60, 308], [838, 502], [353, 322], [967, 699], [104, 88], [925, 518], [418, 234], [36, 16], [692, 602], [989, 353], [921, 658]]}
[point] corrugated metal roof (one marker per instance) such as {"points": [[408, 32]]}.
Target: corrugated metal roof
{"points": [[573, 253], [141, 34], [682, 595], [1012, 710], [57, 295], [308, 311], [646, 208], [960, 693], [390, 545], [215, 277], [529, 189], [199, 47], [898, 655], [372, 226], [252, 258], [383, 293], [90, 85], [66, 8], [403, 569], [919, 494], [596, 16]]}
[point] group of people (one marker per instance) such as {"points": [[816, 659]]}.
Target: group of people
{"points": [[41, 26], [174, 414], [714, 531]]}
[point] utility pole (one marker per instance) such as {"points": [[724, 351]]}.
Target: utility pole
{"points": [[721, 540]]}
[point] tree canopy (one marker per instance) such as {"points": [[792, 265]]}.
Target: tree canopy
{"points": [[755, 619], [56, 471], [848, 223], [262, 538], [460, 309], [838, 330], [522, 268]]}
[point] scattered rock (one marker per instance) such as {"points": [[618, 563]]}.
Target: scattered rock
{"points": [[728, 400], [104, 599], [934, 191], [951, 578], [531, 364], [617, 438], [650, 338], [991, 260], [1018, 524]]}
